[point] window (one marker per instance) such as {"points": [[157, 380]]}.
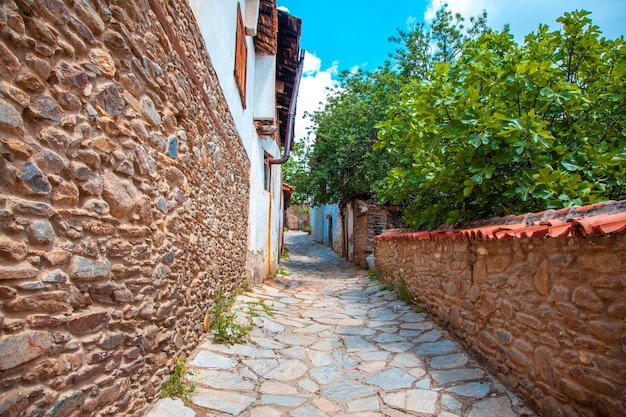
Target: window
{"points": [[267, 177], [241, 57]]}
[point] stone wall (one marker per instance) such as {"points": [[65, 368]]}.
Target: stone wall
{"points": [[123, 207], [296, 216], [545, 315]]}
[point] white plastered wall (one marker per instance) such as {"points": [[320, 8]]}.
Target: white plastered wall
{"points": [[217, 20]]}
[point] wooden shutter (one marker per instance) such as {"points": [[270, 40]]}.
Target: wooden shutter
{"points": [[241, 57]]}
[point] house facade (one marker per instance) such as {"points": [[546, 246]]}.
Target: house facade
{"points": [[136, 184], [257, 68]]}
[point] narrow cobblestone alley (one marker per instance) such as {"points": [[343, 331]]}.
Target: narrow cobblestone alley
{"points": [[337, 344]]}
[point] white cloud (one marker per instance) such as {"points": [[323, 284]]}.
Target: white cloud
{"points": [[410, 22], [312, 92], [283, 8], [525, 16]]}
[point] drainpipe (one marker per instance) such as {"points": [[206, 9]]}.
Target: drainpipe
{"points": [[292, 114]]}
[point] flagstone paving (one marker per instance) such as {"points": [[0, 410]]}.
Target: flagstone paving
{"points": [[334, 343]]}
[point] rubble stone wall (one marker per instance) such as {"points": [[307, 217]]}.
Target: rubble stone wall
{"points": [[122, 209], [547, 316]]}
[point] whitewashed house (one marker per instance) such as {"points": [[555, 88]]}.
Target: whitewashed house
{"points": [[254, 49]]}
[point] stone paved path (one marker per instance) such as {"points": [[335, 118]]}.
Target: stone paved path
{"points": [[336, 344]]}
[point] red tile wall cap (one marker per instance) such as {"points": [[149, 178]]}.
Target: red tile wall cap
{"points": [[592, 220]]}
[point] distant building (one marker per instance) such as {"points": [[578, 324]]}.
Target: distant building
{"points": [[350, 227]]}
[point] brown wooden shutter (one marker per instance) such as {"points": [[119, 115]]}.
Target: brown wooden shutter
{"points": [[241, 57]]}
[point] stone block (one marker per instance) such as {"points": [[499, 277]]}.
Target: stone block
{"points": [[88, 322], [18, 349], [41, 233], [498, 263], [600, 262], [605, 331], [529, 321], [31, 181], [587, 299], [119, 193], [12, 249], [51, 302], [543, 366], [19, 271], [542, 278], [84, 269], [479, 272]]}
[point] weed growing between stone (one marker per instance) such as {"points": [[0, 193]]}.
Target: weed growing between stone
{"points": [[403, 291], [225, 329], [285, 254], [177, 384], [420, 309], [254, 306], [373, 274], [282, 272]]}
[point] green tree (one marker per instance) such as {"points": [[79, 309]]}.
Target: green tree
{"points": [[343, 161], [508, 128], [295, 173]]}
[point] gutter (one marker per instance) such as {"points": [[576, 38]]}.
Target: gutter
{"points": [[292, 114]]}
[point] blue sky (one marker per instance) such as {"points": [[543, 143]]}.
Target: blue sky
{"points": [[348, 34], [354, 32]]}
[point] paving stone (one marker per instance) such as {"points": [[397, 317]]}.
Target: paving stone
{"points": [[212, 360], [397, 347], [277, 388], [265, 411], [326, 374], [355, 330], [437, 348], [347, 390], [492, 407], [343, 360], [319, 358], [229, 402], [170, 407], [472, 389], [450, 403], [430, 336], [455, 375], [297, 352], [389, 338], [407, 360], [372, 367], [220, 380], [357, 344], [419, 401], [282, 400], [287, 370], [373, 356], [307, 412], [363, 404], [271, 326], [261, 366], [391, 379], [296, 340], [308, 385], [455, 360]]}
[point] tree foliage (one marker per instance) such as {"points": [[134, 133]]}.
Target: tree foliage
{"points": [[465, 123], [511, 128], [343, 161]]}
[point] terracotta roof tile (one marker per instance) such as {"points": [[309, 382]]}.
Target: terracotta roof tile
{"points": [[592, 220]]}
